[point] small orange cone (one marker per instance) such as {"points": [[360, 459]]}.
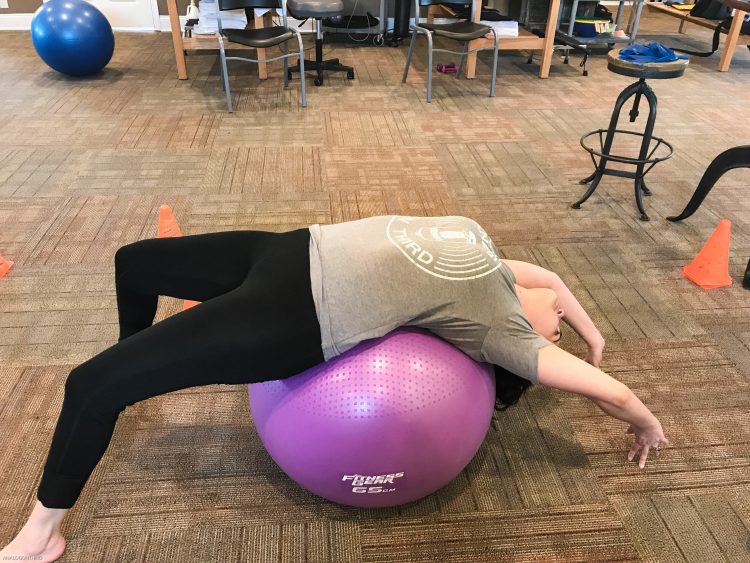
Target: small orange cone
{"points": [[710, 268], [5, 266], [168, 226]]}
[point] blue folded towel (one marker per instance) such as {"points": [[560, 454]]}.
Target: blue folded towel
{"points": [[650, 53]]}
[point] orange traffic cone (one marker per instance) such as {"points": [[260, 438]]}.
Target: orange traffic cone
{"points": [[5, 266], [168, 226], [710, 268]]}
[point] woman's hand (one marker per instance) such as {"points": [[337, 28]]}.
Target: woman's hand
{"points": [[561, 370], [651, 436], [595, 352]]}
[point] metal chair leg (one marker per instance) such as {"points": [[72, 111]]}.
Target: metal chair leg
{"points": [[461, 62], [429, 67], [224, 74], [494, 63], [285, 50], [411, 52], [303, 95]]}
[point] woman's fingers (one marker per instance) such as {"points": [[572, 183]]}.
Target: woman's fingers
{"points": [[641, 444], [644, 456], [644, 451], [633, 451]]}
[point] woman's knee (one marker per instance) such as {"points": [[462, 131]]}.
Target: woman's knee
{"points": [[89, 390], [80, 384], [127, 255]]}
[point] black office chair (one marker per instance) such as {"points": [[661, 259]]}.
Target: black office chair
{"points": [[463, 31], [317, 10], [262, 38]]}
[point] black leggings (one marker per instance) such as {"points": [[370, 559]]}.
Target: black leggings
{"points": [[257, 323]]}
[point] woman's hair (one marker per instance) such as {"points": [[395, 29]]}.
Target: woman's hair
{"points": [[508, 388]]}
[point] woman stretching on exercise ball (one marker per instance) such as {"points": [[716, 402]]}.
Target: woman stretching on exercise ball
{"points": [[276, 304]]}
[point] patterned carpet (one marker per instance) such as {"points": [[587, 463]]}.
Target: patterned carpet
{"points": [[85, 163]]}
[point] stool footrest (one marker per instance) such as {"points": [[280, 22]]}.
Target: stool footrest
{"points": [[650, 159]]}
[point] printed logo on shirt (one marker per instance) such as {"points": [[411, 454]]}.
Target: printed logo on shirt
{"points": [[445, 247]]}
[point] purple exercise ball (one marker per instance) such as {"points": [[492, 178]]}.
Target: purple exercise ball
{"points": [[388, 422]]}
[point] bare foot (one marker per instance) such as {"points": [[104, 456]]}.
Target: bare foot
{"points": [[25, 548], [40, 539]]}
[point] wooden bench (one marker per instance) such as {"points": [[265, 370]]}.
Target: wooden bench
{"points": [[733, 34]]}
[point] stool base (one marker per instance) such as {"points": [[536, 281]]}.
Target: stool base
{"points": [[643, 163], [319, 65]]}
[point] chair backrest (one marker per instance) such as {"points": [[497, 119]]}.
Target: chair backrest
{"points": [[459, 2], [239, 4], [250, 4], [424, 3]]}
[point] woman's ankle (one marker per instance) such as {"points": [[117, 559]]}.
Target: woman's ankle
{"points": [[46, 518]]}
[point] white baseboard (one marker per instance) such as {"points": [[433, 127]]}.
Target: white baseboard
{"points": [[10, 22], [15, 21], [164, 22]]}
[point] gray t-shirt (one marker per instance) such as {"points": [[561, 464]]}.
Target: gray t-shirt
{"points": [[439, 273]]}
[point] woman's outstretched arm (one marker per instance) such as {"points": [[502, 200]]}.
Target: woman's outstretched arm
{"points": [[531, 276], [561, 370]]}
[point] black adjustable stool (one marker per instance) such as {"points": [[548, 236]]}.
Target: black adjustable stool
{"points": [[317, 10], [649, 155]]}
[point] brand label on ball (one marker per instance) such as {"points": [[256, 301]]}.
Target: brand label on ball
{"points": [[372, 484], [445, 247]]}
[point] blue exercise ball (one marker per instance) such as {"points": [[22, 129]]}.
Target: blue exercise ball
{"points": [[72, 37]]}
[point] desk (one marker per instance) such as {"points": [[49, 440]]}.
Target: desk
{"points": [[741, 7], [207, 43], [525, 41]]}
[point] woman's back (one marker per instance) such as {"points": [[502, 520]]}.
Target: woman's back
{"points": [[440, 273]]}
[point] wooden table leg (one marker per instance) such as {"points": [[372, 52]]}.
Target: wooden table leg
{"points": [[731, 41], [549, 39], [471, 58], [471, 63], [431, 11], [179, 51]]}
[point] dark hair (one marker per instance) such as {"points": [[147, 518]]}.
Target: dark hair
{"points": [[508, 388]]}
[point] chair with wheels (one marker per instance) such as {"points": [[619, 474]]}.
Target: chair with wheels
{"points": [[262, 38], [462, 31], [318, 10]]}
